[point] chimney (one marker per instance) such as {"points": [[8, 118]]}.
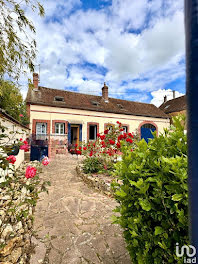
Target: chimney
{"points": [[173, 94], [105, 93], [35, 80], [165, 99]]}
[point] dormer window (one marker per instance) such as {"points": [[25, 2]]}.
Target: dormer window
{"points": [[95, 103], [59, 99], [120, 106]]}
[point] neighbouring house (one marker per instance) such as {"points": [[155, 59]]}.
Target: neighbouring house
{"points": [[13, 130], [174, 106], [60, 119]]}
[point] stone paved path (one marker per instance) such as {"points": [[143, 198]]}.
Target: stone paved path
{"points": [[72, 222]]}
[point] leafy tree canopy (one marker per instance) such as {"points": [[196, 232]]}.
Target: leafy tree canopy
{"points": [[17, 47], [12, 102]]}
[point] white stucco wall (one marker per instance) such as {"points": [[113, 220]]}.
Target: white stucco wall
{"points": [[17, 132], [76, 116]]}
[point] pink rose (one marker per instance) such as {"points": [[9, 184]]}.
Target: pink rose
{"points": [[45, 161], [21, 115], [11, 159], [30, 172], [25, 147]]}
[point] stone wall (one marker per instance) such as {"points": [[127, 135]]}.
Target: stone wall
{"points": [[101, 183]]}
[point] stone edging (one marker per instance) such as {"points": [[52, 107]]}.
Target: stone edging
{"points": [[95, 182]]}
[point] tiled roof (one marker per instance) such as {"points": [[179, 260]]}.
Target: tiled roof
{"points": [[46, 96], [175, 105]]}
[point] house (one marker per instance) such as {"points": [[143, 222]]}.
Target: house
{"points": [[13, 130], [59, 118], [174, 106]]}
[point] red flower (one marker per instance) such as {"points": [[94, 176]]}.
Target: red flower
{"points": [[25, 142], [21, 115], [25, 147], [112, 142], [121, 129], [129, 140], [118, 144], [11, 159], [98, 134], [78, 152], [21, 139], [80, 148], [94, 144], [102, 137], [30, 172], [106, 131], [45, 161], [118, 122], [84, 148], [125, 135], [130, 135], [76, 145], [91, 153], [120, 137]]}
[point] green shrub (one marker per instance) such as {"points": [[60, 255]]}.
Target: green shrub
{"points": [[154, 197], [92, 165]]}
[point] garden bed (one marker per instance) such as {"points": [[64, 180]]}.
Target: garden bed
{"points": [[100, 182]]}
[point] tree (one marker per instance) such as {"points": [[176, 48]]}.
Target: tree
{"points": [[17, 48], [12, 102]]}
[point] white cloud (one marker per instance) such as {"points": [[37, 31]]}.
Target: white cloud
{"points": [[158, 96], [69, 42]]}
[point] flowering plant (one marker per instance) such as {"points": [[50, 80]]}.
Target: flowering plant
{"points": [[108, 146]]}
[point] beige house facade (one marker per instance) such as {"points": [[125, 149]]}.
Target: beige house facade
{"points": [[62, 118]]}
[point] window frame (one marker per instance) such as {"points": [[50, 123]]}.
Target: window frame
{"points": [[41, 123], [95, 131], [58, 125]]}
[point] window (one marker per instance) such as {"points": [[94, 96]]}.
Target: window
{"points": [[41, 128], [125, 129], [60, 128], [92, 132], [59, 99], [149, 126]]}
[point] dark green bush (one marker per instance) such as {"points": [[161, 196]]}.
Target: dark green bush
{"points": [[92, 165], [154, 197]]}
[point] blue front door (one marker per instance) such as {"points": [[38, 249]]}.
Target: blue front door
{"points": [[146, 131]]}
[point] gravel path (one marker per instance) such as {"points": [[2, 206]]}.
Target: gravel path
{"points": [[72, 223]]}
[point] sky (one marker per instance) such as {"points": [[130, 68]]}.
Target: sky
{"points": [[136, 47]]}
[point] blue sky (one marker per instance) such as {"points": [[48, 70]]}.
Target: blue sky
{"points": [[136, 47]]}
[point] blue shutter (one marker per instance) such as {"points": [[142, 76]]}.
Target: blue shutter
{"points": [[69, 133], [80, 136]]}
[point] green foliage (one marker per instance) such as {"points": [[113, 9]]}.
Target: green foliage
{"points": [[17, 47], [92, 165], [154, 196], [11, 101]]}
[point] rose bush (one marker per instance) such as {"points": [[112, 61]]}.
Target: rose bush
{"points": [[19, 189], [102, 153]]}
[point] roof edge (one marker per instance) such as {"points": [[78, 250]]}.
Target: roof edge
{"points": [[9, 117], [102, 110]]}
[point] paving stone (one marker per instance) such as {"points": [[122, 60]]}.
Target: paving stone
{"points": [[74, 221]]}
